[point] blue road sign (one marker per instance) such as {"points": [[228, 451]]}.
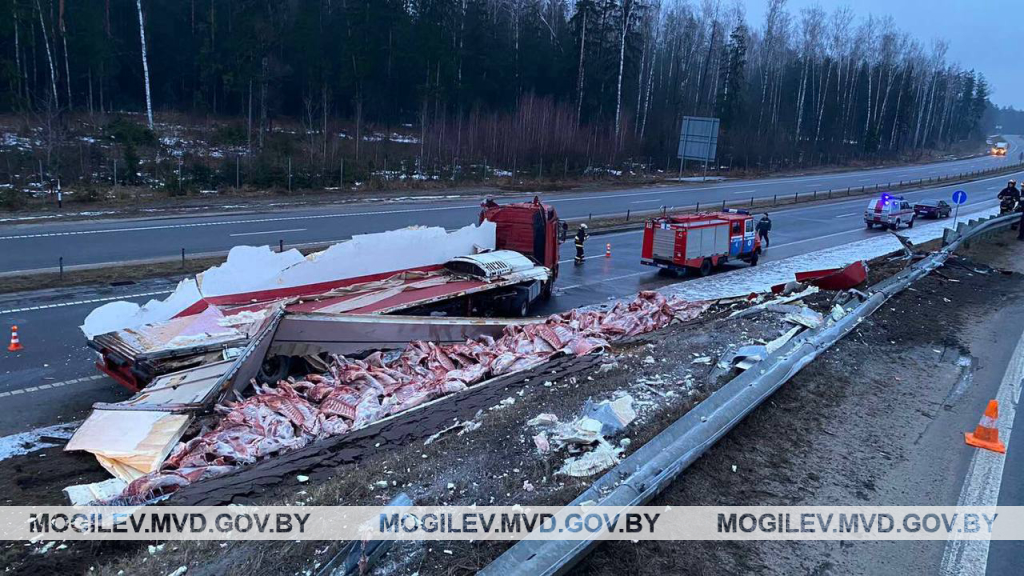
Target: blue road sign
{"points": [[959, 197]]}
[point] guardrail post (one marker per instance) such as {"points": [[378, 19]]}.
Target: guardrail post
{"points": [[848, 190], [182, 257], [627, 215], [751, 201], [61, 267], [280, 246], [815, 196], [829, 193], [723, 205], [775, 199]]}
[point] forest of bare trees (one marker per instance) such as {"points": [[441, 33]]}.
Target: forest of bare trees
{"points": [[510, 84]]}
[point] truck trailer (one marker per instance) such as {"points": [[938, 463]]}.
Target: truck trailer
{"points": [[505, 281]]}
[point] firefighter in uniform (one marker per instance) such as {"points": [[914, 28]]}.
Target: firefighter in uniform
{"points": [[764, 226], [581, 237], [1008, 197]]}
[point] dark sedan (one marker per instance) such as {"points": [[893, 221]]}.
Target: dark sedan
{"points": [[932, 209]]}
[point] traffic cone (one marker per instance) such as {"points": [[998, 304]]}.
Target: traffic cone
{"points": [[608, 250], [15, 345], [986, 435]]}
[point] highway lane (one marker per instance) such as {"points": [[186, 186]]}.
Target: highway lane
{"points": [[39, 246], [55, 351]]}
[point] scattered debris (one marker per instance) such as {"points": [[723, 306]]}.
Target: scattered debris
{"points": [[702, 360], [614, 415], [602, 457], [541, 442], [83, 494], [543, 420], [301, 478]]}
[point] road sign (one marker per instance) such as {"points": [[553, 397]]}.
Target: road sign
{"points": [[959, 197], [698, 139]]}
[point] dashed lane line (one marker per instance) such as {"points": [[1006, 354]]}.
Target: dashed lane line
{"points": [[80, 302], [269, 232], [51, 385]]}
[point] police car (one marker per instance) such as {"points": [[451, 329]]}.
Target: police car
{"points": [[889, 212]]}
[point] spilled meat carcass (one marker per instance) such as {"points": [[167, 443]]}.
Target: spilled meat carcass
{"points": [[353, 393]]}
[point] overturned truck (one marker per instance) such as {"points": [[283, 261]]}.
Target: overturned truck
{"points": [[499, 267]]}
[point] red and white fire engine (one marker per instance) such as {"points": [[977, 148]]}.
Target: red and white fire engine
{"points": [[700, 241]]}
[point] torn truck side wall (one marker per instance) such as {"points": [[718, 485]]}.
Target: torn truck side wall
{"points": [[259, 273], [129, 444]]}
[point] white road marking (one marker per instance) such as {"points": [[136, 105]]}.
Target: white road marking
{"points": [[51, 385], [845, 215], [585, 258], [985, 476], [645, 201], [269, 232], [80, 302], [746, 191], [567, 288]]}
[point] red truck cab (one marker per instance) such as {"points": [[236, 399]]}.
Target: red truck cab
{"points": [[700, 242], [530, 228]]}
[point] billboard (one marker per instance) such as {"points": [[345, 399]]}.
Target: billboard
{"points": [[698, 139]]}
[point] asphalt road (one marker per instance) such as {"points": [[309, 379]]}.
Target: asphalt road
{"points": [[40, 246], [59, 366]]}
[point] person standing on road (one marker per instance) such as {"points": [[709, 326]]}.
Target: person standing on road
{"points": [[1008, 197], [581, 237], [764, 225]]}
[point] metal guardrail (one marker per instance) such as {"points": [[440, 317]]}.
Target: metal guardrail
{"points": [[655, 465]]}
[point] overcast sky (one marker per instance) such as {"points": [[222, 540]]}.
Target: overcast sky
{"points": [[986, 35]]}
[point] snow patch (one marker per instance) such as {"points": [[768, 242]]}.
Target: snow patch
{"points": [[761, 277], [26, 442]]}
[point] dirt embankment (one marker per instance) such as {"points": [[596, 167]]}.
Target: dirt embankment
{"points": [[860, 426]]}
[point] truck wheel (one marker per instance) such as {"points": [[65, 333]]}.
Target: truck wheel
{"points": [[895, 225], [524, 309], [754, 258], [274, 369], [705, 267], [911, 223], [870, 225]]}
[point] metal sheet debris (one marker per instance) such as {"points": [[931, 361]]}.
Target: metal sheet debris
{"points": [[614, 415]]}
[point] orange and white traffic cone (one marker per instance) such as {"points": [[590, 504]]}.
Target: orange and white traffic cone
{"points": [[608, 250], [15, 344], [986, 435]]}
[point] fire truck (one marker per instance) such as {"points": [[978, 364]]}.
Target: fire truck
{"points": [[700, 242]]}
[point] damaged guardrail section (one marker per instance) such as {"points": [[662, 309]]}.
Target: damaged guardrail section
{"points": [[649, 470]]}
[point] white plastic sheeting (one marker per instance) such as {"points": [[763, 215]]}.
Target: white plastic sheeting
{"points": [[254, 269]]}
